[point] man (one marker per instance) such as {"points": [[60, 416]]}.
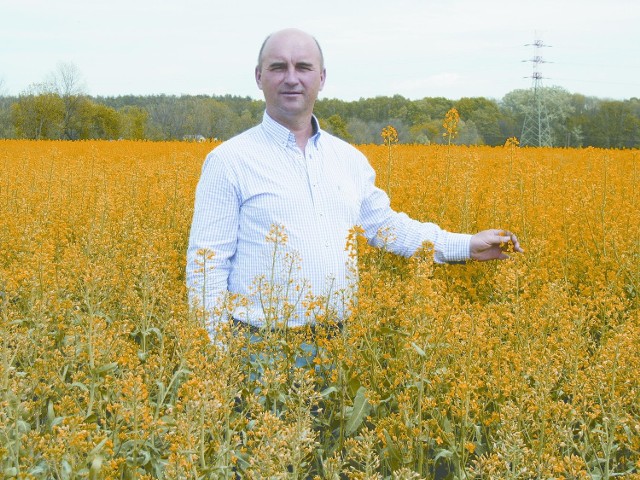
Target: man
{"points": [[274, 205]]}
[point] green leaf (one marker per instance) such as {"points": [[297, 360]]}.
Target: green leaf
{"points": [[391, 331], [328, 391], [10, 472], [23, 427], [50, 412], [361, 408], [443, 453], [98, 447], [65, 470], [418, 349], [39, 469], [103, 370], [155, 331], [96, 466], [80, 385], [393, 452], [354, 385]]}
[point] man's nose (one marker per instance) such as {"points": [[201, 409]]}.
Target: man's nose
{"points": [[291, 76]]}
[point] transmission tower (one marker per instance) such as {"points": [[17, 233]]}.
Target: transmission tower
{"points": [[536, 131]]}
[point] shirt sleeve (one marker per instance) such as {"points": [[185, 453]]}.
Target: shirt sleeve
{"points": [[213, 238], [400, 234]]}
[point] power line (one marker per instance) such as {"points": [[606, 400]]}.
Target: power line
{"points": [[536, 130]]}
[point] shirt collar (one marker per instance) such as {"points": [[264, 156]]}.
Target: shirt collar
{"points": [[282, 135]]}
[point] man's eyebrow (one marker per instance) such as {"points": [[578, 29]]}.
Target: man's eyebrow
{"points": [[277, 64]]}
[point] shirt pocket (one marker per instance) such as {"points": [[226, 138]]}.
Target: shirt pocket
{"points": [[345, 201]]}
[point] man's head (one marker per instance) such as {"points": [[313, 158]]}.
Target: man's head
{"points": [[290, 73], [292, 30]]}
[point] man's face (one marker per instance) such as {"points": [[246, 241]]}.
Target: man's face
{"points": [[290, 76]]}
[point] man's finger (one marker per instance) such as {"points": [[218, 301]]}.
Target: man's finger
{"points": [[505, 237]]}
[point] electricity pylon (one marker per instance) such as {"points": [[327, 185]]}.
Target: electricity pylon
{"points": [[536, 131]]}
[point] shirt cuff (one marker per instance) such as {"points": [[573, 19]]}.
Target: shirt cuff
{"points": [[456, 248]]}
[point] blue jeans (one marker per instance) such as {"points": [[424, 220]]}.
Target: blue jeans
{"points": [[304, 357]]}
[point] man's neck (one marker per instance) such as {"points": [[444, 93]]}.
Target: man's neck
{"points": [[303, 134], [302, 128]]}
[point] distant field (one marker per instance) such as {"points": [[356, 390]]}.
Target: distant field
{"points": [[521, 369]]}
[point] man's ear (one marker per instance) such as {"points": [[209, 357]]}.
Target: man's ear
{"points": [[323, 77], [258, 77]]}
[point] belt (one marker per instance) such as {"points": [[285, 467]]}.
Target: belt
{"points": [[253, 329]]}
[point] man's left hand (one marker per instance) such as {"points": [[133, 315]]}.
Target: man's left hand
{"points": [[492, 245]]}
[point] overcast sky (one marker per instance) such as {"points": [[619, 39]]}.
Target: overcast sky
{"points": [[415, 48]]}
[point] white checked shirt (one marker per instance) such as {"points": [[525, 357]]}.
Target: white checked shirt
{"points": [[261, 178]]}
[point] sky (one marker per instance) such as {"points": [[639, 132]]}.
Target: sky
{"points": [[413, 48]]}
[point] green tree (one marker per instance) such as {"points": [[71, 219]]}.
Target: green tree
{"points": [[427, 109], [66, 82], [336, 125], [100, 122], [615, 125], [133, 122], [468, 134], [483, 115], [38, 113], [6, 123], [425, 132], [220, 120], [326, 107], [167, 118]]}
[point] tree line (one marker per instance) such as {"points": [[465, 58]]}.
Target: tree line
{"points": [[59, 109]]}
